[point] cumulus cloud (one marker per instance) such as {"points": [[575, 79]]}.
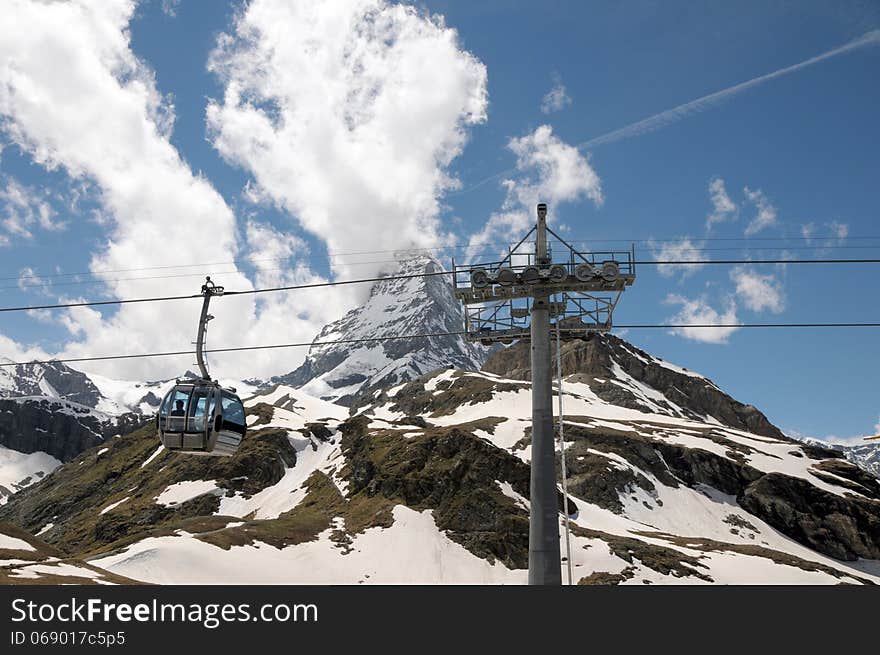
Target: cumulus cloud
{"points": [[347, 115], [723, 208], [269, 246], [550, 171], [758, 292], [330, 107], [699, 311], [765, 215], [11, 350], [558, 172], [684, 250], [556, 99], [75, 97]]}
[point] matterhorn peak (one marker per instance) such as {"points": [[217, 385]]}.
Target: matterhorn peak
{"points": [[409, 314]]}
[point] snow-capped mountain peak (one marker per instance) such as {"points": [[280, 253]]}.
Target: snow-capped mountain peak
{"points": [[417, 305], [51, 380], [865, 455]]}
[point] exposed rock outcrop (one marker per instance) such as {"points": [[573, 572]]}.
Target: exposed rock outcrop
{"points": [[600, 359], [59, 428]]}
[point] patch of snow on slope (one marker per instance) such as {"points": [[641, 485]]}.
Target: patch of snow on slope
{"points": [[442, 376], [653, 399], [180, 492], [756, 570], [301, 406], [773, 456], [34, 571], [153, 456], [508, 490], [738, 568], [113, 506], [288, 492], [13, 543]]}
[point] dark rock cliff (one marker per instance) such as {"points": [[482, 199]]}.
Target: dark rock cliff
{"points": [[57, 427]]}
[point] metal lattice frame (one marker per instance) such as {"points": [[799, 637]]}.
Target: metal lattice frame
{"points": [[500, 312]]}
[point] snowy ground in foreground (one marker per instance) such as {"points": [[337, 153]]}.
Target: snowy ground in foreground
{"points": [[411, 551]]}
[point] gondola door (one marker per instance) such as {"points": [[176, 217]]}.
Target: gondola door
{"points": [[198, 426]]}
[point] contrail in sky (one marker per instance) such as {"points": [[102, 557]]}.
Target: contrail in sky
{"points": [[661, 120], [664, 118]]}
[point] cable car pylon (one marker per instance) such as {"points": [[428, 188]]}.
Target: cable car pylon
{"points": [[515, 299]]}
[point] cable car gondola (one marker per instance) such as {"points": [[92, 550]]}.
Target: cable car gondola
{"points": [[200, 416]]}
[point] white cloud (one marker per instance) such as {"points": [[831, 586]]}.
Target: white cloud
{"points": [[347, 115], [14, 351], [551, 171], [28, 280], [723, 208], [698, 311], [41, 315], [678, 251], [837, 234], [269, 250], [758, 292], [23, 208], [766, 212], [839, 230], [169, 7], [556, 98], [74, 96], [877, 426], [563, 174]]}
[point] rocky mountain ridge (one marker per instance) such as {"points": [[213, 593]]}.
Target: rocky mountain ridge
{"points": [[50, 380], [603, 360]]}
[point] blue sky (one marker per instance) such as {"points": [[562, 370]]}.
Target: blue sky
{"points": [[802, 148]]}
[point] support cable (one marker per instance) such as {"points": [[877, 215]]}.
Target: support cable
{"points": [[305, 344], [562, 453], [389, 278]]}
